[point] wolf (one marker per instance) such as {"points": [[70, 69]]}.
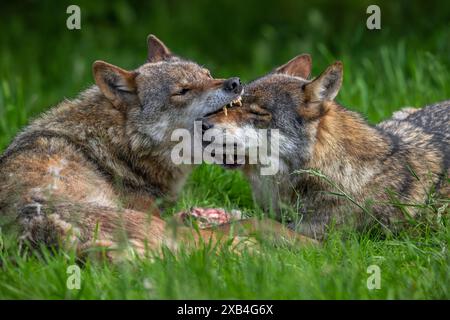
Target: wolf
{"points": [[88, 172], [334, 168]]}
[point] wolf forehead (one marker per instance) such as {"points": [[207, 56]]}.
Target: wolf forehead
{"points": [[275, 90], [175, 69]]}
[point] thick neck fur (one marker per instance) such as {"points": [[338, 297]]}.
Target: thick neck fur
{"points": [[345, 148], [101, 129], [341, 145]]}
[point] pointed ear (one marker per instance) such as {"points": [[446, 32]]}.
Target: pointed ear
{"points": [[115, 83], [300, 66], [157, 50], [327, 85]]}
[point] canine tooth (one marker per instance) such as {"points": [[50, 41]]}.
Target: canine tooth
{"points": [[236, 102], [225, 110]]}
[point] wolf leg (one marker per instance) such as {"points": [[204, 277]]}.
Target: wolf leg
{"points": [[84, 228], [265, 230], [233, 223]]}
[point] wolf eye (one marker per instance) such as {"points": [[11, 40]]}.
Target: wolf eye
{"points": [[257, 110], [182, 92]]}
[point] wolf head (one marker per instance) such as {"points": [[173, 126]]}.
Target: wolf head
{"points": [[164, 94], [285, 102]]}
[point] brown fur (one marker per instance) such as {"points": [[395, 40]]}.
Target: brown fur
{"points": [[371, 165], [88, 172]]}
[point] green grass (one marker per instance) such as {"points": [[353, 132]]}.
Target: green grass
{"points": [[41, 63], [414, 265]]}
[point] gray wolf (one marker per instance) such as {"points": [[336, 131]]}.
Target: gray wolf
{"points": [[335, 168], [88, 172]]}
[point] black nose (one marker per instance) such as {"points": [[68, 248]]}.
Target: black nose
{"points": [[233, 85], [206, 125]]}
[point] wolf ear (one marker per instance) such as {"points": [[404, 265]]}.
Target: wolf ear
{"points": [[157, 50], [300, 66], [327, 85], [115, 83]]}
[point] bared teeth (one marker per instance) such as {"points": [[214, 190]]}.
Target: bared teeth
{"points": [[237, 102]]}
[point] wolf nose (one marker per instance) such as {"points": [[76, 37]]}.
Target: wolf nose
{"points": [[233, 85]]}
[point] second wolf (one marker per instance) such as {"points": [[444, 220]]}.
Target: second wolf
{"points": [[334, 166]]}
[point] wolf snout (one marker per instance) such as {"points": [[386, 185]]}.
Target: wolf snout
{"points": [[233, 85]]}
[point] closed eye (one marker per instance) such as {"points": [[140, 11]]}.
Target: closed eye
{"points": [[255, 109], [259, 112], [182, 92]]}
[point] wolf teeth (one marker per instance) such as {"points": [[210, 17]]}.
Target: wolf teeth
{"points": [[237, 102]]}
